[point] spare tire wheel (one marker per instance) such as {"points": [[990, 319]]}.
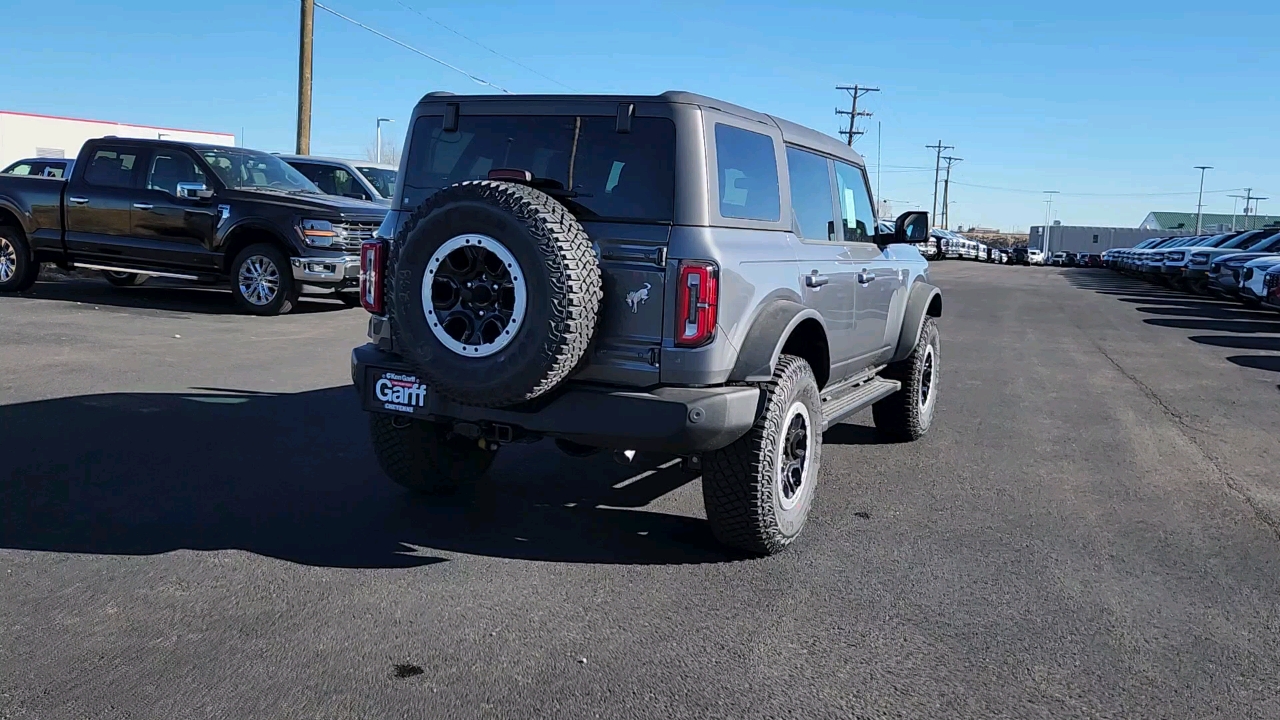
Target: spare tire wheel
{"points": [[495, 293]]}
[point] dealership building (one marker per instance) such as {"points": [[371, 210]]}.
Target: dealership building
{"points": [[24, 135]]}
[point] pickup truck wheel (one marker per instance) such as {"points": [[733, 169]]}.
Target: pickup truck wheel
{"points": [[758, 490], [123, 279], [495, 294], [906, 415], [426, 457], [262, 281], [17, 270]]}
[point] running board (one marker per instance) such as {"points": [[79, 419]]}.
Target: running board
{"points": [[837, 407], [135, 271]]}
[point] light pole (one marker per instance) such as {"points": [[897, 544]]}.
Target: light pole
{"points": [[1200, 198], [380, 121], [1235, 206], [1048, 217]]}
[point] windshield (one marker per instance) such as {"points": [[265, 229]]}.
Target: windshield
{"points": [[250, 170], [382, 180], [1260, 243]]}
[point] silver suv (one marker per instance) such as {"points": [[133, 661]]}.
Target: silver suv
{"points": [[665, 273]]}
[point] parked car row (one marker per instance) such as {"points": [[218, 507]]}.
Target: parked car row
{"points": [[1071, 259], [953, 245], [1243, 265]]}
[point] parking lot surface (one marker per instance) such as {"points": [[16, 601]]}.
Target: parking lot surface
{"points": [[192, 525]]}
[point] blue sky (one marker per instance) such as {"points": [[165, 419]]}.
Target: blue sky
{"points": [[1109, 103]]}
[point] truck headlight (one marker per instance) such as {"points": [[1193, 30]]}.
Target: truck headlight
{"points": [[320, 233]]}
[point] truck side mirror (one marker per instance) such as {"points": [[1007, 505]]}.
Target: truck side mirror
{"points": [[911, 227], [194, 191]]}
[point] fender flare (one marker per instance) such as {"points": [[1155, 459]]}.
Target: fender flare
{"points": [[24, 217], [920, 303], [759, 353], [253, 223]]}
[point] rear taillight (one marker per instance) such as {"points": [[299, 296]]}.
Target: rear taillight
{"points": [[372, 255], [696, 300]]}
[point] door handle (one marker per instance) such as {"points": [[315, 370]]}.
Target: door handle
{"points": [[814, 280], [865, 277], [143, 206], [78, 200]]}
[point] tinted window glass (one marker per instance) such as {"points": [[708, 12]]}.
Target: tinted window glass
{"points": [[20, 169], [583, 161], [382, 180], [253, 170], [111, 168], [811, 208], [170, 167], [748, 172], [858, 219], [332, 180]]}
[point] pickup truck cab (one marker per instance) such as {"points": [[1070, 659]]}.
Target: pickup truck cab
{"points": [[135, 209]]}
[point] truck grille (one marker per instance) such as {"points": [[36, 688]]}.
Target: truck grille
{"points": [[353, 234], [1271, 281]]}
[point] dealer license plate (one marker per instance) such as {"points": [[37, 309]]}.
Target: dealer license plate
{"points": [[395, 391]]}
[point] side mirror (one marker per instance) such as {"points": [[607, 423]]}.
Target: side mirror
{"points": [[194, 191], [911, 227]]}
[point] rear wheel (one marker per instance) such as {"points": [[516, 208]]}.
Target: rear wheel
{"points": [[18, 271], [907, 414], [426, 457], [123, 279], [262, 281]]}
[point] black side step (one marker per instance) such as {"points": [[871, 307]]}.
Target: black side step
{"points": [[843, 402]]}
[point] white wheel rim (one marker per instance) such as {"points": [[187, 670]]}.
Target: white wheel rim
{"points": [[792, 481], [8, 260], [474, 295], [928, 380], [259, 280]]}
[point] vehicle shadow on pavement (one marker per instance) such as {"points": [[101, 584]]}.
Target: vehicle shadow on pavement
{"points": [[169, 296], [1243, 328], [293, 477]]}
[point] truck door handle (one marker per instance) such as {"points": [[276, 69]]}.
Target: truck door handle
{"points": [[78, 200], [815, 280], [866, 277], [143, 206]]}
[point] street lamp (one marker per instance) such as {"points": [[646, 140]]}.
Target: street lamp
{"points": [[380, 121], [1200, 199]]}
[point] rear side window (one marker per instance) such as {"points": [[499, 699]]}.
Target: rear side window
{"points": [[597, 172], [748, 172], [112, 167], [811, 202]]}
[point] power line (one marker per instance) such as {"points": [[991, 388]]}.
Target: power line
{"points": [[1082, 194], [411, 48], [479, 44], [855, 92]]}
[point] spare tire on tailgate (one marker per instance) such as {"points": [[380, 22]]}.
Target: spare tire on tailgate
{"points": [[494, 294]]}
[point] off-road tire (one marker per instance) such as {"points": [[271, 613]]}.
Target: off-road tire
{"points": [[563, 282], [902, 417], [740, 486], [25, 270], [426, 457], [119, 279], [286, 297]]}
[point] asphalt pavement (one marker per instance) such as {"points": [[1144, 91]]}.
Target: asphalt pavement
{"points": [[192, 525]]}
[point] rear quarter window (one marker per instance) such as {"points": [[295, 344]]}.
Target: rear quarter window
{"points": [[747, 169]]}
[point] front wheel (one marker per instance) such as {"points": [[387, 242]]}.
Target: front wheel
{"points": [[123, 279], [758, 490], [906, 415], [262, 281], [426, 457]]}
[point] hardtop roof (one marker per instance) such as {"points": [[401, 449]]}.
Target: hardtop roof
{"points": [[791, 132]]}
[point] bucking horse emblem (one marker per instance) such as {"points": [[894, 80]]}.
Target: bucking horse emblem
{"points": [[636, 298]]}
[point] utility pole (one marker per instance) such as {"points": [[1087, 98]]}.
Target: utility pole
{"points": [[879, 152], [937, 170], [1200, 198], [305, 41], [855, 92], [946, 191], [1048, 218]]}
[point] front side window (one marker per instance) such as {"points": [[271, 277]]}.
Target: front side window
{"points": [[748, 171], [170, 167], [382, 180], [112, 167], [811, 206], [584, 162], [858, 218], [251, 170]]}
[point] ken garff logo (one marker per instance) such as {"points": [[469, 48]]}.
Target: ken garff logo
{"points": [[636, 298]]}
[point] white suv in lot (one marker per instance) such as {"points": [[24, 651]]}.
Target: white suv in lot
{"points": [[1035, 256]]}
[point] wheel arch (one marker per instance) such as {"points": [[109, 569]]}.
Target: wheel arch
{"points": [[245, 234], [925, 300], [785, 326]]}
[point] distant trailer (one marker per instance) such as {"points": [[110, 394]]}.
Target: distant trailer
{"points": [[1086, 239], [26, 135]]}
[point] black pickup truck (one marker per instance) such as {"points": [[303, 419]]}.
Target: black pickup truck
{"points": [[135, 209]]}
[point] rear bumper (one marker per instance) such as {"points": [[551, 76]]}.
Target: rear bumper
{"points": [[672, 420]]}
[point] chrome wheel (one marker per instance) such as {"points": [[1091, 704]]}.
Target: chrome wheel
{"points": [[259, 280], [795, 448], [474, 295], [8, 260]]}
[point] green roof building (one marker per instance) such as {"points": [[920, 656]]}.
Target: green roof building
{"points": [[1210, 222]]}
